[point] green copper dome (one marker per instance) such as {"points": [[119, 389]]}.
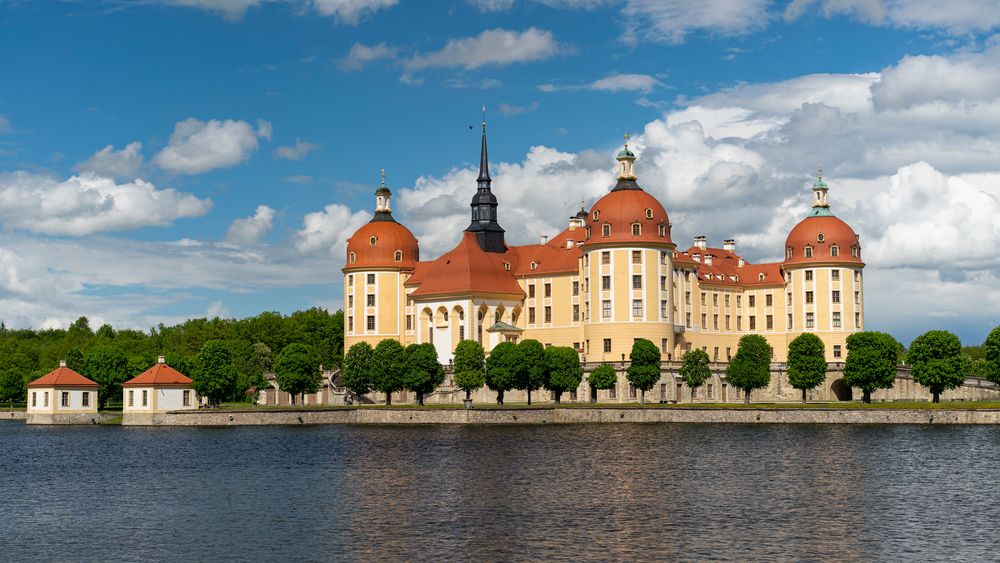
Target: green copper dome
{"points": [[820, 185], [626, 154]]}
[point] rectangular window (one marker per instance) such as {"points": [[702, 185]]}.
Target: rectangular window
{"points": [[606, 283], [753, 322], [576, 288], [605, 257], [531, 290], [810, 320], [637, 308], [548, 290], [636, 282], [703, 301], [727, 300], [768, 300], [85, 398], [789, 302], [371, 279], [531, 315], [704, 321], [350, 324], [409, 322], [715, 354], [857, 297], [131, 398], [186, 400], [606, 309], [835, 296], [663, 283], [663, 256], [65, 399], [663, 346], [835, 275], [371, 322], [857, 320], [548, 314], [350, 280], [350, 301], [371, 300], [687, 297], [789, 321], [738, 301], [729, 353], [687, 320], [836, 319], [607, 345], [752, 300], [836, 350], [145, 398], [45, 399], [727, 322], [576, 313], [461, 333], [739, 322], [637, 257], [809, 297], [34, 399], [663, 308], [715, 299], [715, 322], [709, 391], [809, 275], [770, 322]]}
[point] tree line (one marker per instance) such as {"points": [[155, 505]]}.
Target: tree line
{"points": [[225, 357]]}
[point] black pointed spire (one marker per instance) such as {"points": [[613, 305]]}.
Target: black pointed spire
{"points": [[484, 224]]}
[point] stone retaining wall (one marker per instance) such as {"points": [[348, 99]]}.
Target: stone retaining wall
{"points": [[549, 415], [12, 415], [68, 419]]}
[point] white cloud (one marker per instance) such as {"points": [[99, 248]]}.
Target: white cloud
{"points": [[87, 203], [230, 9], [642, 83], [296, 152], [491, 47], [248, 231], [344, 11], [956, 16], [216, 310], [350, 11], [492, 5], [962, 79], [200, 146], [360, 55], [299, 179], [510, 109], [327, 231], [671, 22], [110, 163], [5, 128]]}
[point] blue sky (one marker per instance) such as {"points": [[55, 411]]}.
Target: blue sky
{"points": [[167, 159]]}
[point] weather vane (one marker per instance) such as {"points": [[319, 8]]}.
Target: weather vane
{"points": [[820, 170], [382, 174], [627, 137]]}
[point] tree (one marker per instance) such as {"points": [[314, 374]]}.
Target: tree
{"points": [[750, 368], [502, 368], [136, 366], [75, 360], [531, 368], [106, 331], [644, 370], [937, 362], [264, 356], [806, 362], [388, 366], [12, 387], [992, 356], [356, 373], [871, 362], [602, 377], [694, 369], [214, 375], [563, 373], [107, 366], [468, 365], [296, 370], [423, 371]]}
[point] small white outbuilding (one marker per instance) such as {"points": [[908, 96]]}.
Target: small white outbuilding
{"points": [[157, 390], [62, 396]]}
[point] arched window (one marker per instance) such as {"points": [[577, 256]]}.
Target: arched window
{"points": [[788, 253], [606, 230], [597, 215], [506, 266], [636, 229], [534, 265], [649, 213], [761, 276], [372, 241], [398, 256], [855, 251], [809, 252], [662, 230], [352, 258], [588, 231], [835, 251]]}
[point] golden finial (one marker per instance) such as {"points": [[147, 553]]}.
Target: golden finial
{"points": [[627, 137], [484, 117], [820, 172], [382, 173]]}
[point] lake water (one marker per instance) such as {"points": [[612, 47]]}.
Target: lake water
{"points": [[691, 492]]}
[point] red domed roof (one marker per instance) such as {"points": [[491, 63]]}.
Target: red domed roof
{"points": [[623, 207], [375, 244], [822, 233]]}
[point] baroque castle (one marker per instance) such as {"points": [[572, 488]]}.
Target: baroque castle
{"points": [[612, 276]]}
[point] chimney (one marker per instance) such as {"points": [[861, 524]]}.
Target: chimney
{"points": [[701, 242], [729, 244], [708, 259], [545, 239], [161, 359], [62, 363]]}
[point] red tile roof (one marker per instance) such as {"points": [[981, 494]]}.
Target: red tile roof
{"points": [[468, 269], [726, 270], [622, 208], [160, 374], [62, 377], [832, 230], [553, 257]]}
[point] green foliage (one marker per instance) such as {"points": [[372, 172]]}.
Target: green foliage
{"points": [[603, 377], [13, 388], [806, 362], [469, 355], [992, 355], [296, 370], [937, 362], [75, 360], [423, 371], [750, 368], [644, 370], [213, 374], [106, 331], [502, 368], [356, 373], [387, 368], [264, 356], [694, 370], [563, 373], [107, 366], [469, 380], [871, 362], [531, 368]]}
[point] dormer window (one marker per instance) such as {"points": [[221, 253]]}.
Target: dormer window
{"points": [[597, 215], [506, 266], [855, 251], [821, 237], [835, 251], [760, 277], [636, 229], [788, 253], [662, 230], [372, 241], [809, 252], [649, 213], [606, 230], [398, 256], [352, 258], [534, 265], [588, 231]]}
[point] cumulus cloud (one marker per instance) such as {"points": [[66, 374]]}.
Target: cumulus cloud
{"points": [[956, 17], [671, 22], [360, 55], [491, 47], [350, 11], [297, 151], [87, 203], [198, 146], [642, 83], [248, 231], [343, 11], [327, 231], [511, 109], [110, 163], [492, 5], [230, 9]]}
